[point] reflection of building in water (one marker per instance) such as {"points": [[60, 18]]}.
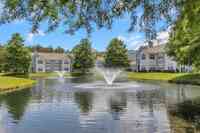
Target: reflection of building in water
{"points": [[50, 91], [131, 114], [179, 93]]}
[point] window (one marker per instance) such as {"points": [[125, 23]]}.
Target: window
{"points": [[152, 56], [40, 69], [161, 56], [40, 62], [143, 57], [66, 69], [143, 68], [66, 62]]}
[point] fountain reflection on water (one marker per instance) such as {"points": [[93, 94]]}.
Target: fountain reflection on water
{"points": [[61, 75]]}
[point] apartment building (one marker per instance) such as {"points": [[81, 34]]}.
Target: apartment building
{"points": [[50, 62]]}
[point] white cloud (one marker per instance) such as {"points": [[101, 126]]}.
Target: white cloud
{"points": [[133, 41], [1, 7], [31, 35], [41, 33], [163, 36], [18, 21]]}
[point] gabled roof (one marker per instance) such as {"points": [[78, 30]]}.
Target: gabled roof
{"points": [[52, 56], [155, 49]]}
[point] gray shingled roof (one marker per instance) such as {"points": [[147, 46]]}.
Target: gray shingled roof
{"points": [[53, 56]]}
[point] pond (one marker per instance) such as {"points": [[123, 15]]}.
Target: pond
{"points": [[64, 106]]}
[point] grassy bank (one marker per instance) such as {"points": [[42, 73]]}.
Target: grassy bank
{"points": [[183, 78], [54, 74], [11, 83], [187, 79], [45, 75]]}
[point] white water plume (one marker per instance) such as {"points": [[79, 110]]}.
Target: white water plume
{"points": [[109, 74], [61, 74]]}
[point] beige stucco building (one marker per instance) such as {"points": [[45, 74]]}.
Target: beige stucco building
{"points": [[50, 62], [154, 58]]}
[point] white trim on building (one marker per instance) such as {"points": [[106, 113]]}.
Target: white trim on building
{"points": [[154, 58], [50, 62]]}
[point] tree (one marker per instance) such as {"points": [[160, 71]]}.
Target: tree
{"points": [[59, 50], [84, 101], [116, 54], [18, 58], [77, 14], [184, 42], [17, 103], [2, 58], [83, 58]]}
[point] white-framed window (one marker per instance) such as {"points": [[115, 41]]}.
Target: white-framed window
{"points": [[40, 61], [40, 69], [152, 56], [143, 56]]}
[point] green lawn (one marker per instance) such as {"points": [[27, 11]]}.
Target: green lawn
{"points": [[153, 76], [184, 78], [1, 74], [8, 83]]}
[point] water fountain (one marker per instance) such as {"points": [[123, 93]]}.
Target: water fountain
{"points": [[61, 73], [109, 74]]}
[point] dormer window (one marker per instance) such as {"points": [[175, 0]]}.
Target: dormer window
{"points": [[152, 56]]}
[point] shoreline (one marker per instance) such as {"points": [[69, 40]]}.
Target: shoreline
{"points": [[177, 78], [9, 84]]}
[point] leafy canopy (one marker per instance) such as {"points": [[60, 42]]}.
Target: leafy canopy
{"points": [[2, 58], [83, 57], [184, 42], [18, 58], [87, 14], [116, 54]]}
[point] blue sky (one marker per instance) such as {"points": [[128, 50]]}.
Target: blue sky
{"points": [[99, 38]]}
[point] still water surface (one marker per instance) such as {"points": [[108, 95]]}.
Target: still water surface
{"points": [[55, 106]]}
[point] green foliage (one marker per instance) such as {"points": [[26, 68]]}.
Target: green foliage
{"points": [[184, 43], [77, 14], [189, 110], [18, 58], [17, 107], [83, 57], [2, 59], [84, 101], [116, 54], [59, 50], [43, 49]]}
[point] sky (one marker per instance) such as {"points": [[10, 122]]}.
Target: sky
{"points": [[99, 38]]}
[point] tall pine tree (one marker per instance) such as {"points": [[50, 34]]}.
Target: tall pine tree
{"points": [[83, 57], [116, 54], [18, 58]]}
